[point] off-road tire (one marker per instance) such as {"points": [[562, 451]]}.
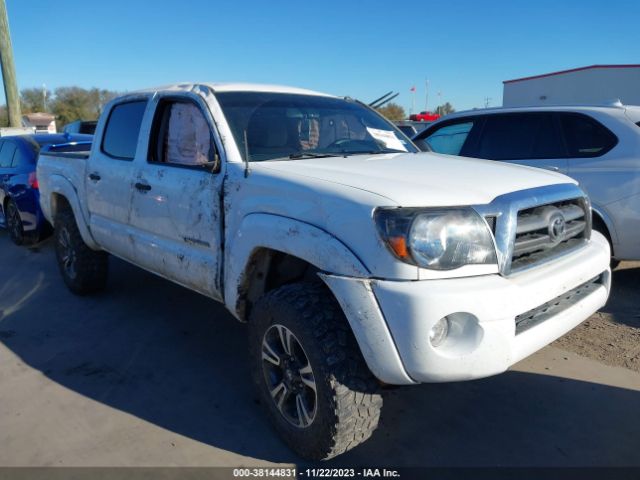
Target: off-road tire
{"points": [[348, 402], [91, 267]]}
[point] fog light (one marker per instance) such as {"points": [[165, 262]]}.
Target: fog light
{"points": [[439, 332]]}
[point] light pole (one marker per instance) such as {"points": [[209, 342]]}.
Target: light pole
{"points": [[413, 98], [426, 96]]}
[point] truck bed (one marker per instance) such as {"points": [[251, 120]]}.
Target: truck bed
{"points": [[56, 168]]}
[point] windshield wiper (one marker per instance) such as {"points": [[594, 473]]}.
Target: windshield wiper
{"points": [[371, 152], [296, 156]]}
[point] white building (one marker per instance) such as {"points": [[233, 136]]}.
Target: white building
{"points": [[596, 84], [40, 121]]}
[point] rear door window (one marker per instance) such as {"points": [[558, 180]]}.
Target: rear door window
{"points": [[519, 136], [7, 151], [21, 158], [448, 139], [123, 128], [548, 140], [585, 137]]}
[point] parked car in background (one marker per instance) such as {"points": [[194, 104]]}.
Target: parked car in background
{"points": [[20, 210], [597, 145], [81, 126], [424, 117], [355, 259], [411, 128], [408, 129]]}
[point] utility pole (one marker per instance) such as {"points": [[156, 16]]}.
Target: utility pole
{"points": [[426, 96], [9, 70], [487, 102]]}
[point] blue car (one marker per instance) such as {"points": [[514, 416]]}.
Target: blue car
{"points": [[20, 210]]}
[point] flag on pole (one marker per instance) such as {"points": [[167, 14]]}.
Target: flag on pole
{"points": [[413, 98]]}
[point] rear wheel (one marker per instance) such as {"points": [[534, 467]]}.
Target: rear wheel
{"points": [[14, 223], [83, 270], [309, 372]]}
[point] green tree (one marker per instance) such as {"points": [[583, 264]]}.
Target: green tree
{"points": [[393, 112], [67, 103], [31, 100], [75, 103], [445, 109]]}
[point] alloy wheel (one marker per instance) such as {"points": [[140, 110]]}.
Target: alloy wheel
{"points": [[14, 223], [67, 253], [289, 376]]}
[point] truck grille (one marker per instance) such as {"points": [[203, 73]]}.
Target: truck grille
{"points": [[549, 309], [550, 230]]}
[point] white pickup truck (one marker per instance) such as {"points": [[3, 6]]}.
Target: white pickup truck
{"points": [[357, 261]]}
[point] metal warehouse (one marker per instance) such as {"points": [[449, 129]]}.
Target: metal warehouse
{"points": [[595, 84]]}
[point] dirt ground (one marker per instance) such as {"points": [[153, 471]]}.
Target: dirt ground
{"points": [[612, 336]]}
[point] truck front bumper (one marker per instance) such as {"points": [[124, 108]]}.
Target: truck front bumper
{"points": [[392, 320]]}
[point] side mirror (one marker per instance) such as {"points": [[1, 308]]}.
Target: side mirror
{"points": [[212, 166]]}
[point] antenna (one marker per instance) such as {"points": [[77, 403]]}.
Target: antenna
{"points": [[383, 102], [380, 99], [246, 155]]}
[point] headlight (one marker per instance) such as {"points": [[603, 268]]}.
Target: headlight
{"points": [[439, 239]]}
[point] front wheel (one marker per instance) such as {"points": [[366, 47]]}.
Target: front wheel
{"points": [[309, 372]]}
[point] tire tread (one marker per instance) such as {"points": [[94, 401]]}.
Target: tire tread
{"points": [[356, 399], [91, 266]]}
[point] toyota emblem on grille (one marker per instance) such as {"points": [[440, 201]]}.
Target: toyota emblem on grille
{"points": [[557, 227]]}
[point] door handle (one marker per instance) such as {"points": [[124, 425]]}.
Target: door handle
{"points": [[552, 167], [142, 187], [94, 176]]}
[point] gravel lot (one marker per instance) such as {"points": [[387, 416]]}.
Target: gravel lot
{"points": [[612, 336], [150, 374]]}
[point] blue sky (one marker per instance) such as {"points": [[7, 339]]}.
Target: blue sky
{"points": [[362, 49]]}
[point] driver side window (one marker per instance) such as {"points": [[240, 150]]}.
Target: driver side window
{"points": [[182, 136]]}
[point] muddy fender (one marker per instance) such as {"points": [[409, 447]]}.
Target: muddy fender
{"points": [[302, 240]]}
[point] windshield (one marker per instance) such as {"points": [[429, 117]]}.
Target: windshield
{"points": [[292, 126]]}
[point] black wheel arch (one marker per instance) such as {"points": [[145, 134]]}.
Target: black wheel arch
{"points": [[267, 270]]}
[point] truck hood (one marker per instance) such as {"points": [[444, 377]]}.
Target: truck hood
{"points": [[420, 179]]}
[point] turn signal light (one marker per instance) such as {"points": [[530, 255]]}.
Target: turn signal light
{"points": [[399, 246]]}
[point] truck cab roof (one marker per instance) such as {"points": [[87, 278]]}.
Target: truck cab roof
{"points": [[231, 87]]}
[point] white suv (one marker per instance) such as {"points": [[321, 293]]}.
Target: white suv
{"points": [[597, 145]]}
